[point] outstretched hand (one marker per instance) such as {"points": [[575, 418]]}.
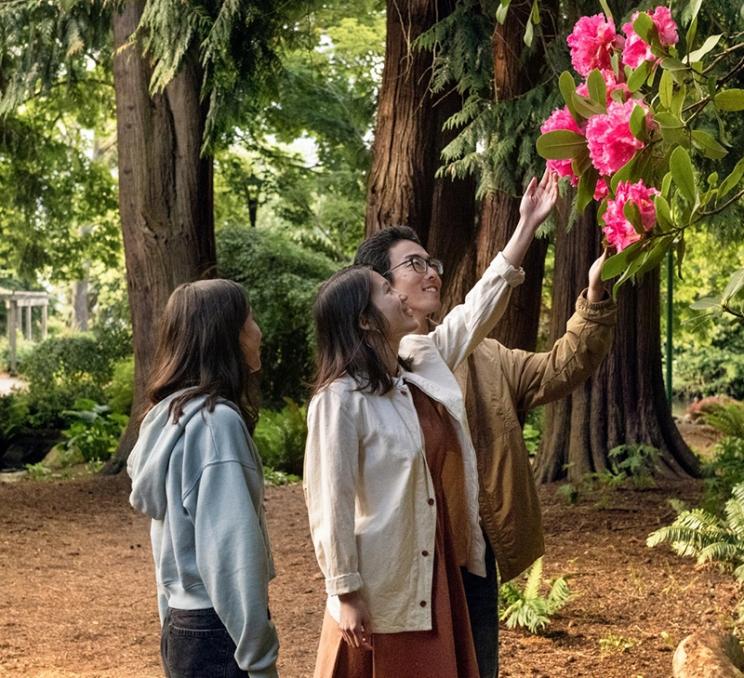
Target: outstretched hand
{"points": [[539, 199], [597, 290]]}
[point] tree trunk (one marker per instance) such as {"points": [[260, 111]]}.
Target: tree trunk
{"points": [[402, 188], [499, 211], [80, 310], [165, 195], [624, 402]]}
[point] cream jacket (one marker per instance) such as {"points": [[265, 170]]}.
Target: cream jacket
{"points": [[367, 485]]}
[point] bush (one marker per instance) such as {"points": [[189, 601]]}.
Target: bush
{"points": [[726, 469], [64, 369], [701, 371], [281, 278], [280, 437], [120, 391], [94, 430]]}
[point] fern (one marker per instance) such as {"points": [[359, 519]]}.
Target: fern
{"points": [[699, 534], [728, 419], [527, 608]]}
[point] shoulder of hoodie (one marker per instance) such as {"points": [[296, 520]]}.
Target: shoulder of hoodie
{"points": [[225, 424]]}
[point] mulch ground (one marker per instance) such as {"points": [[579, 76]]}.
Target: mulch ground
{"points": [[78, 594]]}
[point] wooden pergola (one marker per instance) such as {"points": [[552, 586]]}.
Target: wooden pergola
{"points": [[16, 302]]}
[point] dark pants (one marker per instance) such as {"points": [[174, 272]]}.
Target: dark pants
{"points": [[483, 606], [195, 644]]}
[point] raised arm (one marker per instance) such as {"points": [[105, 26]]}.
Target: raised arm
{"points": [[466, 325]]}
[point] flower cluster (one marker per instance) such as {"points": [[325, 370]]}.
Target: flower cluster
{"points": [[595, 44], [618, 230]]}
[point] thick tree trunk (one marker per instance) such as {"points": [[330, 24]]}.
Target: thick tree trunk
{"points": [[624, 401], [402, 188], [499, 211], [165, 195]]}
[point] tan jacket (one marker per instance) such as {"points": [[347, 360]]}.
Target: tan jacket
{"points": [[368, 490], [499, 384]]}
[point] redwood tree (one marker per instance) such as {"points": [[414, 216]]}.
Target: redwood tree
{"points": [[624, 402], [165, 193], [402, 188]]}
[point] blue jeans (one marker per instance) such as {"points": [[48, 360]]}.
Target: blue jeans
{"points": [[482, 594], [195, 644]]}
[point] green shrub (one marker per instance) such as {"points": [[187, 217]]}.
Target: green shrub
{"points": [[636, 462], [120, 391], [282, 279], [94, 430], [701, 371], [13, 413], [527, 608], [64, 369], [280, 437], [723, 472]]}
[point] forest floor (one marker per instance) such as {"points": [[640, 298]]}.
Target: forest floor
{"points": [[78, 596]]}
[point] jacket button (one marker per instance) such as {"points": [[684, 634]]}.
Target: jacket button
{"points": [[403, 391], [423, 603], [424, 553], [430, 502]]}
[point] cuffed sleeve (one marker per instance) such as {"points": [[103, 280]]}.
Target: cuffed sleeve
{"points": [[466, 325], [329, 482], [232, 556]]}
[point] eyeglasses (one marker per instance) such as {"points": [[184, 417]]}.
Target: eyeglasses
{"points": [[420, 265]]}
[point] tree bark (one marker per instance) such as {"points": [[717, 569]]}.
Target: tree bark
{"points": [[165, 195], [402, 188], [499, 211], [624, 402]]}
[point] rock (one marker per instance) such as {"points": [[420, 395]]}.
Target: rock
{"points": [[708, 654], [60, 457]]}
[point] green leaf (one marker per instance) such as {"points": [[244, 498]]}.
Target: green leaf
{"points": [[644, 27], [535, 13], [673, 65], [629, 273], [654, 255], [633, 215], [617, 263], [732, 180], [730, 100], [638, 123], [529, 34], [706, 47], [639, 75], [668, 120], [708, 145], [678, 99], [585, 192], [581, 163], [606, 9], [623, 174], [597, 88], [502, 11], [666, 89], [705, 303], [567, 86], [666, 184], [663, 213], [560, 144], [691, 34], [586, 107], [734, 286], [694, 9], [684, 177]]}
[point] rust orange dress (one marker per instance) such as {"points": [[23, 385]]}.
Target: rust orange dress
{"points": [[447, 650]]}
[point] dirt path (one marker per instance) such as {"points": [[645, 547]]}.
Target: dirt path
{"points": [[78, 596]]}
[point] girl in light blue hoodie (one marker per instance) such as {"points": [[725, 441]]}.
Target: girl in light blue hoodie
{"points": [[196, 472]]}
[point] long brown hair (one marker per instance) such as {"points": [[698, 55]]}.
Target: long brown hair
{"points": [[343, 346], [199, 348]]}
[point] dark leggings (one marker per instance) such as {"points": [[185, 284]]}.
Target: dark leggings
{"points": [[195, 644]]}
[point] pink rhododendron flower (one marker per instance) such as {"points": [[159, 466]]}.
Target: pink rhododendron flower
{"points": [[611, 143], [611, 85], [636, 51], [601, 190], [591, 43], [561, 118], [618, 230]]}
